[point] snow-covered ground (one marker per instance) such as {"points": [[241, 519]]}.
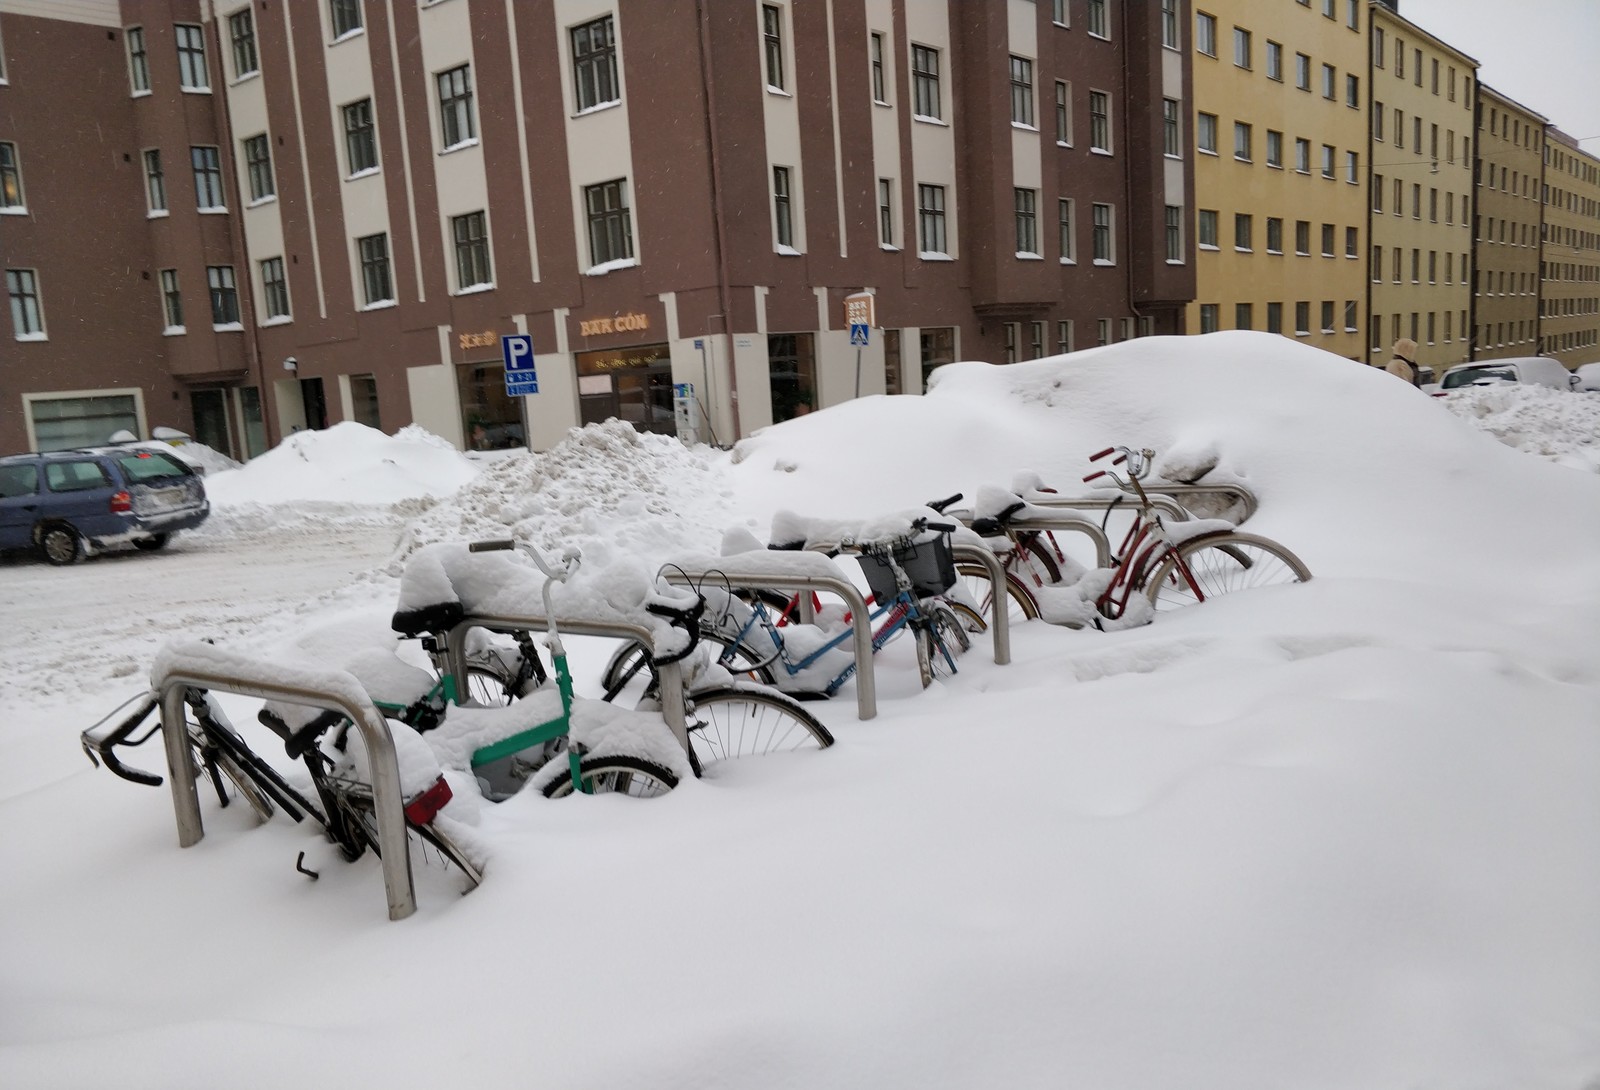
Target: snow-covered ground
{"points": [[1343, 834]]}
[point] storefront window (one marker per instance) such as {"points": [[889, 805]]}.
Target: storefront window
{"points": [[210, 411], [491, 418], [364, 400], [632, 384], [61, 423], [938, 349], [792, 371], [891, 361], [255, 425]]}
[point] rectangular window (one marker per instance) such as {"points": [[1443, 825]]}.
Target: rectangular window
{"points": [[1243, 231], [360, 137], [1352, 92], [885, 212], [610, 222], [930, 219], [258, 167], [1102, 327], [594, 63], [1302, 237], [1399, 58], [1241, 47], [242, 34], [1171, 134], [455, 106], [1302, 319], [1416, 201], [1169, 23], [1274, 149], [191, 43], [1064, 336], [1327, 239], [1327, 160], [1105, 252], [782, 211], [1377, 47], [1433, 205], [1352, 167], [1433, 266], [1275, 61], [879, 85], [1241, 141], [1208, 317], [1274, 235], [1035, 340], [1435, 84], [1205, 33], [925, 81], [274, 288], [224, 295], [1065, 219], [376, 283], [138, 63], [10, 177], [1099, 25], [772, 44], [344, 16], [1327, 316], [1302, 155], [1022, 91], [1399, 128], [1206, 229], [171, 301], [1099, 121], [1274, 317], [1352, 242], [1399, 258], [1025, 202], [27, 318], [1416, 265], [207, 179], [1206, 133], [1377, 121], [1302, 71], [1243, 316], [1330, 81], [1175, 234], [1063, 113], [471, 236]]}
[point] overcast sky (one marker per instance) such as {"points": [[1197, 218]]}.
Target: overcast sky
{"points": [[1543, 53]]}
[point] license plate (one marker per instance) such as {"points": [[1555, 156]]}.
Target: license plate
{"points": [[167, 497]]}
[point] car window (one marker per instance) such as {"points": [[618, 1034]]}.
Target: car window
{"points": [[18, 480], [74, 476], [1472, 374], [147, 465]]}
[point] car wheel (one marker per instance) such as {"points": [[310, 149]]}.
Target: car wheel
{"points": [[151, 544], [61, 545]]}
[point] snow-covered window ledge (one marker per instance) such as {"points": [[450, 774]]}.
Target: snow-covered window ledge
{"points": [[469, 142], [599, 107], [1104, 263], [228, 327], [786, 251], [779, 91], [33, 336], [931, 120], [174, 331], [140, 94], [354, 32], [278, 319], [367, 173], [270, 198], [608, 266], [219, 210], [157, 214], [1028, 255], [380, 304], [888, 247], [246, 78], [474, 289], [1024, 127], [1174, 261], [933, 255], [1069, 261], [14, 210], [195, 90]]}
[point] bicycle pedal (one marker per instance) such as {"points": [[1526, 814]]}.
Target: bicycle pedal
{"points": [[300, 865]]}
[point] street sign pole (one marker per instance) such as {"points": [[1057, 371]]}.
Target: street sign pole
{"points": [[860, 316]]}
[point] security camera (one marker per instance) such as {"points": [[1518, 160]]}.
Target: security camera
{"points": [[290, 364]]}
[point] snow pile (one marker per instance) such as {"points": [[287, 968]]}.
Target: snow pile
{"points": [[1553, 424]]}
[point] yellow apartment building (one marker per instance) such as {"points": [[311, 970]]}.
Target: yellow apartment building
{"points": [[1422, 92], [1280, 134], [1506, 234], [1570, 304]]}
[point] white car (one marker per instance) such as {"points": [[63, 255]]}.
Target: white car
{"points": [[1528, 370], [1589, 377]]}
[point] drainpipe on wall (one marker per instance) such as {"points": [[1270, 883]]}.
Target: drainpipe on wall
{"points": [[719, 218]]}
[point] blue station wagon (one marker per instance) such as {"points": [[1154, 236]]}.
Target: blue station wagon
{"points": [[67, 502]]}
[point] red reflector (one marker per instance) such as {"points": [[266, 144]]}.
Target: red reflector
{"points": [[426, 806], [121, 503], [142, 454]]}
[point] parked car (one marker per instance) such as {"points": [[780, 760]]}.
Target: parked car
{"points": [[68, 502], [1589, 378], [1528, 370]]}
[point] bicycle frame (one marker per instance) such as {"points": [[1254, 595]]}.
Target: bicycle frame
{"points": [[1144, 546], [894, 616]]}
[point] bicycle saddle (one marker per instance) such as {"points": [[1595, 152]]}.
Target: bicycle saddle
{"points": [[439, 617]]}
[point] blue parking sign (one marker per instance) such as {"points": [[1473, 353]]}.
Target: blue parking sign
{"points": [[521, 377]]}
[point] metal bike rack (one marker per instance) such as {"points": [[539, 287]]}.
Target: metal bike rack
{"points": [[1102, 547], [999, 618], [247, 678], [670, 675], [1242, 496], [1165, 504]]}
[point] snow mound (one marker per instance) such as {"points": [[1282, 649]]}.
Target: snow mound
{"points": [[1553, 424]]}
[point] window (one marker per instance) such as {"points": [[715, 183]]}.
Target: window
{"points": [[274, 288], [885, 212], [1175, 234], [1377, 121], [1099, 25], [1243, 316], [1171, 137], [1352, 242], [376, 285], [1399, 58], [1104, 244], [1243, 230], [1274, 148], [1205, 33], [1102, 328], [1352, 92], [1330, 81], [1274, 317], [792, 374], [1327, 316], [138, 63], [594, 63], [1206, 133], [242, 33], [1399, 258], [1169, 23], [1352, 14], [1327, 160], [1208, 317], [1036, 340], [224, 295], [1206, 229], [191, 57], [1352, 167], [10, 177], [610, 223], [1399, 128], [1302, 71], [1241, 47], [1302, 319], [364, 400], [1099, 121], [1327, 239], [1064, 336], [1416, 201], [455, 106], [1377, 46], [930, 219], [1027, 218], [772, 44], [1275, 61], [879, 85], [1435, 82], [1302, 238], [1241, 141], [344, 16], [1022, 91], [171, 301], [1066, 215], [782, 211], [471, 235], [27, 321], [1011, 330], [925, 81], [1274, 235], [1433, 205], [1063, 113], [207, 179], [360, 138], [1433, 267], [1416, 266], [1302, 155], [258, 167]]}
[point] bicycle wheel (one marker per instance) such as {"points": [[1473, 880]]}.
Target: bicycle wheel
{"points": [[941, 639], [218, 764], [629, 660], [1034, 563], [631, 776], [358, 824], [744, 720], [971, 619], [975, 578], [488, 687], [1222, 564]]}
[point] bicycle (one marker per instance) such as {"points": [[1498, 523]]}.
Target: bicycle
{"points": [[344, 809]]}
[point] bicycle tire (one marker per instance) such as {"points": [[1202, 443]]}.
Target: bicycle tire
{"points": [[629, 659], [744, 720], [941, 639], [971, 619], [1223, 564], [359, 819], [264, 780], [975, 576], [1035, 562], [243, 783], [631, 776]]}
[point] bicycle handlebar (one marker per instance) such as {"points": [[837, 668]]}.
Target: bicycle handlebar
{"points": [[686, 618], [1095, 457], [101, 748], [940, 505]]}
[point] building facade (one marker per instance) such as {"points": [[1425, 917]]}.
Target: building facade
{"points": [[1507, 217], [1280, 174], [1422, 121], [1569, 303], [325, 210]]}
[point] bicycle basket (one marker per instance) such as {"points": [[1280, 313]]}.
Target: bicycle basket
{"points": [[928, 564]]}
